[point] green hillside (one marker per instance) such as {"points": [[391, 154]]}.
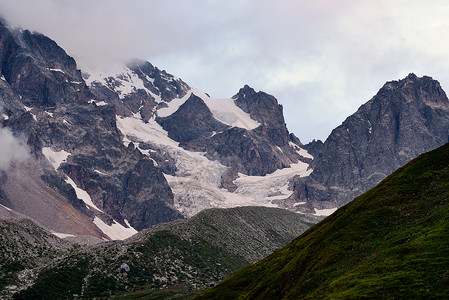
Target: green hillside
{"points": [[391, 242]]}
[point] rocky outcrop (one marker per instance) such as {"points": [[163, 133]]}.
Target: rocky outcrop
{"points": [[405, 118], [265, 109], [138, 87], [247, 152], [192, 123]]}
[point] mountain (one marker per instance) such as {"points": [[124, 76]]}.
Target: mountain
{"points": [[213, 152], [178, 256], [80, 178], [406, 118], [391, 242]]}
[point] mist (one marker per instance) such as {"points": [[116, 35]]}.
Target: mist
{"points": [[12, 149]]}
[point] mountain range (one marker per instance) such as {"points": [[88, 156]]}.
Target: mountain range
{"points": [[90, 156]]}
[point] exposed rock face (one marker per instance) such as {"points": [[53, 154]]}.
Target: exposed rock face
{"points": [[46, 99], [252, 152], [405, 118], [138, 87], [260, 151], [193, 121], [247, 152], [314, 147], [264, 108]]}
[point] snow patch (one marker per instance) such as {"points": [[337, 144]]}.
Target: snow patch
{"points": [[56, 158], [63, 235], [8, 209], [27, 108], [56, 70], [82, 194], [128, 81], [115, 231], [274, 186], [301, 151], [49, 113], [101, 103], [173, 106], [5, 117], [3, 78], [101, 173], [325, 212]]}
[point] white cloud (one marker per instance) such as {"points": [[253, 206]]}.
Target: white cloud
{"points": [[12, 149]]}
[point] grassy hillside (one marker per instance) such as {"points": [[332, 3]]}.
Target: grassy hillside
{"points": [[391, 242], [176, 258]]}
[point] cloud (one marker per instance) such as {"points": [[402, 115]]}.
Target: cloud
{"points": [[322, 59], [12, 149]]}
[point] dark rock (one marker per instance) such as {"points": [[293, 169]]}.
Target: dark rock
{"points": [[192, 121], [405, 118], [246, 151], [314, 147], [265, 109], [227, 179]]}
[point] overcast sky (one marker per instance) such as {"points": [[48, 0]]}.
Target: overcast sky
{"points": [[321, 59]]}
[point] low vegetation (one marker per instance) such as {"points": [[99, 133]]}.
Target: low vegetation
{"points": [[168, 261]]}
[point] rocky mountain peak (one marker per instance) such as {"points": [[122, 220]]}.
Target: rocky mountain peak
{"points": [[244, 92], [265, 109], [412, 87], [405, 118]]}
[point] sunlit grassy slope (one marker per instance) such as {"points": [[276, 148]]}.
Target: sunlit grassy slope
{"points": [[391, 242]]}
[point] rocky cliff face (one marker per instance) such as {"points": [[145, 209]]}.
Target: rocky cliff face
{"points": [[137, 87], [405, 118], [75, 144], [265, 109], [192, 124]]}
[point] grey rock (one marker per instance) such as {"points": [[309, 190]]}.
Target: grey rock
{"points": [[405, 118], [191, 123]]}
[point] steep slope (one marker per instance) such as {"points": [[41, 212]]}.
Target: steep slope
{"points": [[78, 164], [391, 242], [406, 118], [181, 255]]}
